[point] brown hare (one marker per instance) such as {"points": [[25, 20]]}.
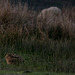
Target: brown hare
{"points": [[13, 59]]}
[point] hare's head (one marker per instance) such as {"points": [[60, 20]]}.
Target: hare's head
{"points": [[9, 58]]}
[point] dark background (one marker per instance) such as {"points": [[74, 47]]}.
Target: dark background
{"points": [[40, 4]]}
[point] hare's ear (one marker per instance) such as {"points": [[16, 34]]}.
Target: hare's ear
{"points": [[6, 55]]}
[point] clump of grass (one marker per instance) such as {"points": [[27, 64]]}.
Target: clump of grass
{"points": [[60, 27]]}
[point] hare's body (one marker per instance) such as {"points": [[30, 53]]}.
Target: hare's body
{"points": [[13, 59]]}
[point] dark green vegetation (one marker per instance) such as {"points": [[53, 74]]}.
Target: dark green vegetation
{"points": [[44, 47], [33, 73]]}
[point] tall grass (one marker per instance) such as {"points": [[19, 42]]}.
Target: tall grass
{"points": [[52, 45]]}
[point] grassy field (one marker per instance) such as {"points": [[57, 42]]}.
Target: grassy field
{"points": [[44, 47]]}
